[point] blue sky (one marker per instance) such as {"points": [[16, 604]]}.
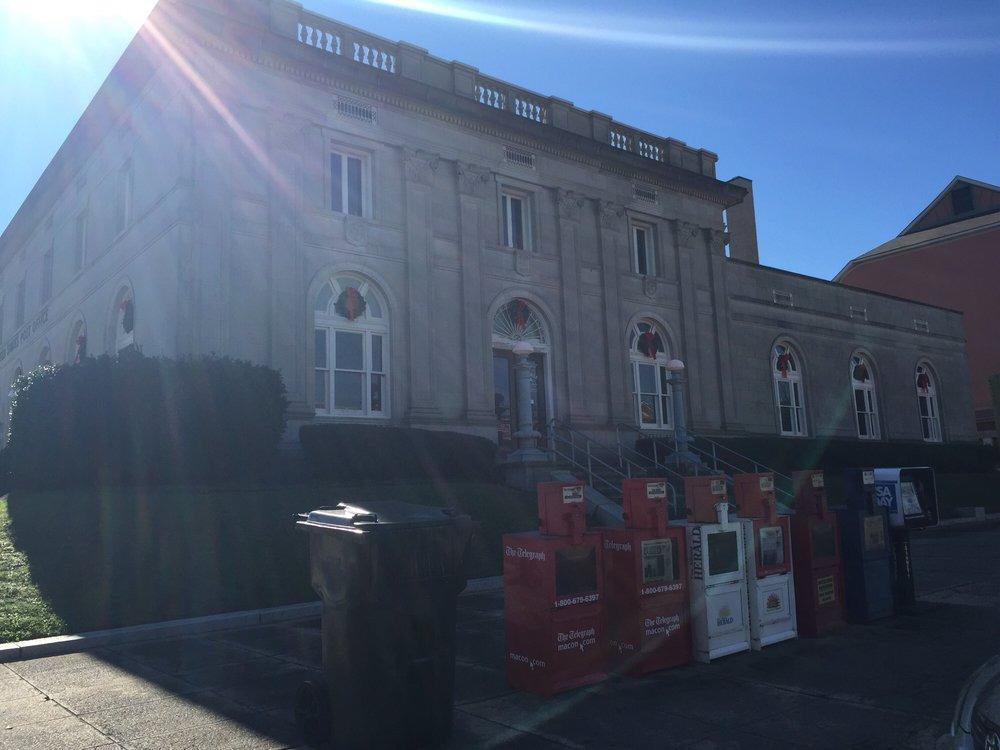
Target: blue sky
{"points": [[848, 116]]}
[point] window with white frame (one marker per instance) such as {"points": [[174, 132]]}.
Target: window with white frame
{"points": [[348, 182], [788, 391], [19, 302], [927, 404], [123, 205], [80, 243], [516, 218], [648, 357], [124, 321], [47, 264], [643, 250], [865, 404], [351, 349]]}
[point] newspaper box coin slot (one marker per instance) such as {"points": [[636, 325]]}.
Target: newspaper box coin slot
{"points": [[645, 584], [767, 546], [553, 597], [816, 551], [864, 536], [716, 571]]}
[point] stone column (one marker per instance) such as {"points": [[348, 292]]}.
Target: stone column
{"points": [[612, 235], [420, 168], [720, 308], [688, 238], [473, 187], [569, 205]]}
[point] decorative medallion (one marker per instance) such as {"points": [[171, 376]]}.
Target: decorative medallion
{"points": [[355, 230], [649, 286]]}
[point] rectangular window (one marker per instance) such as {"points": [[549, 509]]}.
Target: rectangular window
{"points": [[347, 184], [643, 251], [19, 310], [516, 226], [47, 275], [864, 408], [123, 209], [80, 243]]}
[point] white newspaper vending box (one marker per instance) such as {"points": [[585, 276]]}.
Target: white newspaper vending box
{"points": [[718, 583]]}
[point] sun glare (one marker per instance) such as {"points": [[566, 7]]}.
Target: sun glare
{"points": [[55, 17]]}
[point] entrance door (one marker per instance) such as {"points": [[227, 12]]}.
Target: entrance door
{"points": [[505, 395]]}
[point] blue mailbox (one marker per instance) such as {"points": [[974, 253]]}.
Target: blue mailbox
{"points": [[865, 544]]}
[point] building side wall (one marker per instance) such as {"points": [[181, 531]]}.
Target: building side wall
{"points": [[150, 139], [958, 273], [825, 324]]}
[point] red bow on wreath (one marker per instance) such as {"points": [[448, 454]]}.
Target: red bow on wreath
{"points": [[521, 311], [923, 382], [351, 304], [784, 364], [649, 344], [861, 373]]}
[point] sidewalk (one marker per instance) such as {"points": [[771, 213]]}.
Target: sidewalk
{"points": [[889, 685]]}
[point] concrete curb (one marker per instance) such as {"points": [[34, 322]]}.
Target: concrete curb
{"points": [[71, 644]]}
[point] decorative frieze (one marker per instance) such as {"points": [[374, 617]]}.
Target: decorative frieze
{"points": [[473, 180], [612, 215], [421, 166], [569, 203]]}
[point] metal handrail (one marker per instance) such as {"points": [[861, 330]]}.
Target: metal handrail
{"points": [[710, 456], [626, 464]]}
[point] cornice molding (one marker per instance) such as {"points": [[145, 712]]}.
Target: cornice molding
{"points": [[300, 70]]}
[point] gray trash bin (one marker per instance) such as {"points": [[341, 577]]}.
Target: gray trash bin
{"points": [[389, 574]]}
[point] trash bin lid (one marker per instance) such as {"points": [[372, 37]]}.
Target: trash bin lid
{"points": [[389, 515]]}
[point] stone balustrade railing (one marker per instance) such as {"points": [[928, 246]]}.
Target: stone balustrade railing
{"points": [[407, 61]]}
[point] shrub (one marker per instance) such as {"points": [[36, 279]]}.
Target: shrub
{"points": [[135, 420], [352, 452]]}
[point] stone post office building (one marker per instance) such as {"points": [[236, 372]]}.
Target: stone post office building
{"points": [[382, 226]]}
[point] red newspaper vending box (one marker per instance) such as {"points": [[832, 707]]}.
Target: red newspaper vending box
{"points": [[645, 584], [553, 602], [819, 586], [767, 545]]}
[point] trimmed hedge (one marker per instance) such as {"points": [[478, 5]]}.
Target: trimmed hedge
{"points": [[135, 420], [834, 455], [353, 452]]}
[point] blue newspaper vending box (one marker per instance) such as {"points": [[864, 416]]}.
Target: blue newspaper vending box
{"points": [[866, 548], [909, 493]]}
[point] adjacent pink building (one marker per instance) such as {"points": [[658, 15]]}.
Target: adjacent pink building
{"points": [[949, 256]]}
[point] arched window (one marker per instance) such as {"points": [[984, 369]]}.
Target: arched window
{"points": [[124, 334], [927, 403], [648, 357], [518, 321], [77, 349], [787, 375], [865, 405], [351, 349]]}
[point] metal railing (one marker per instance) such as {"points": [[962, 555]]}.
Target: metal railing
{"points": [[711, 456], [584, 454]]}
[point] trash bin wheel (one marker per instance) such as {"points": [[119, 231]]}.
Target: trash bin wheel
{"points": [[312, 712]]}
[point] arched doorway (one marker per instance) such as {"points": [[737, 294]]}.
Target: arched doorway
{"points": [[518, 321]]}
